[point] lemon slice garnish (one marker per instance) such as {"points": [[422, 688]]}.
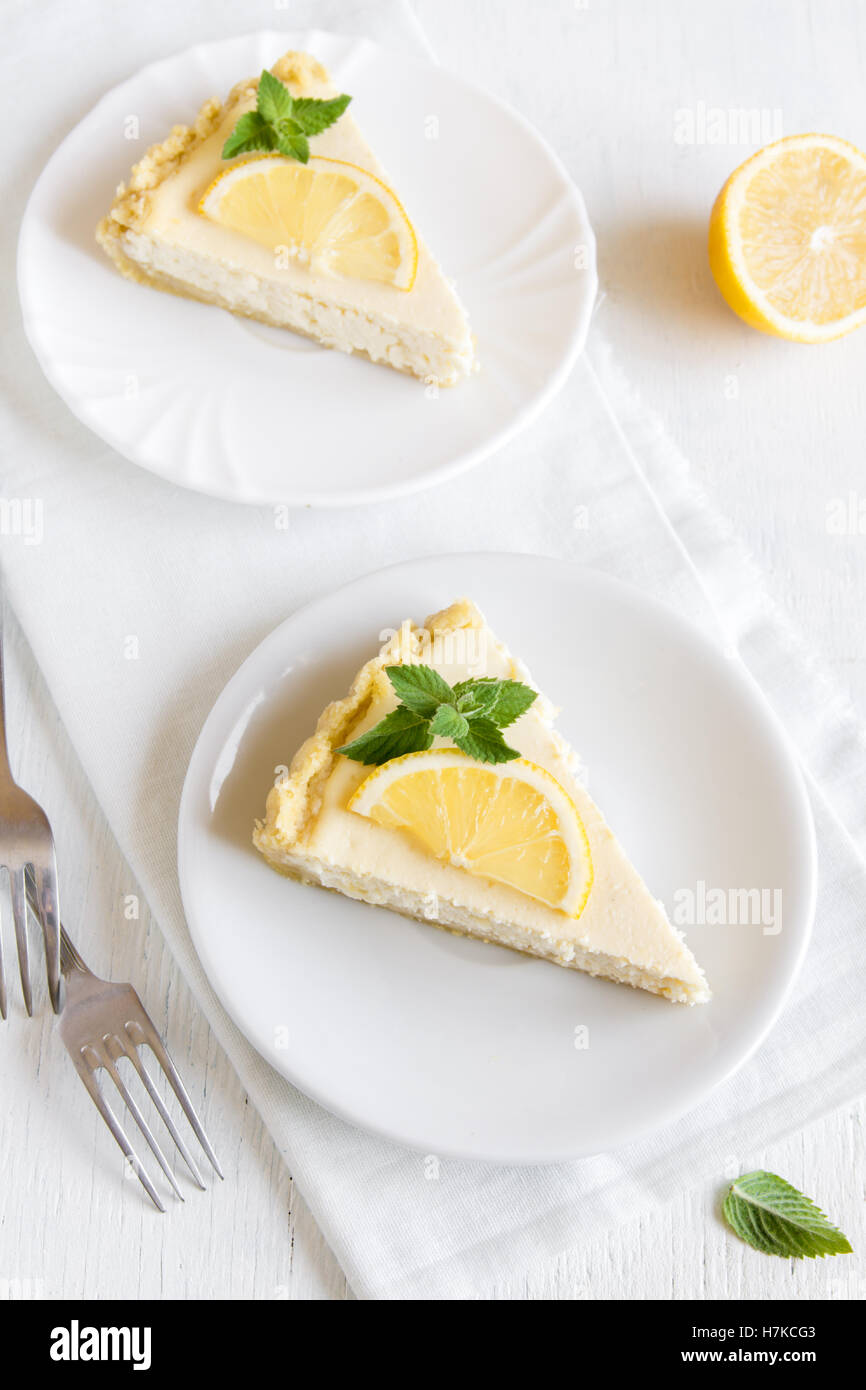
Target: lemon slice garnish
{"points": [[328, 215], [788, 238], [511, 822]]}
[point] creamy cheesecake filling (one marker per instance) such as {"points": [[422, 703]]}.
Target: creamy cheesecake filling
{"points": [[381, 338], [623, 932], [160, 234], [452, 917]]}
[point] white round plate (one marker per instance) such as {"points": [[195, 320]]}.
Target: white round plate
{"points": [[254, 414], [448, 1045]]}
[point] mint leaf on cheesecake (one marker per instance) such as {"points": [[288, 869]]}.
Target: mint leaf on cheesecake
{"points": [[400, 732], [471, 714], [282, 123]]}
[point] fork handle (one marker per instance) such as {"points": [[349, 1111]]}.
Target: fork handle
{"points": [[4, 749]]}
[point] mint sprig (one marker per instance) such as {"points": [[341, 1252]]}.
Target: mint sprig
{"points": [[472, 714], [282, 123], [773, 1217]]}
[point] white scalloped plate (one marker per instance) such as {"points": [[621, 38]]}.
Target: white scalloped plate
{"points": [[252, 414]]}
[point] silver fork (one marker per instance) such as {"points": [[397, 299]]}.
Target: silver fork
{"points": [[102, 1022], [26, 840]]}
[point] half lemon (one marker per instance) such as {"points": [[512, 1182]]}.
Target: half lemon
{"points": [[788, 239]]}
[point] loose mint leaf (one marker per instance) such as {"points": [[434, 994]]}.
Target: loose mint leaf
{"points": [[401, 731], [500, 700], [250, 133], [315, 116], [771, 1215], [294, 144], [274, 101], [420, 688], [447, 723], [485, 743]]}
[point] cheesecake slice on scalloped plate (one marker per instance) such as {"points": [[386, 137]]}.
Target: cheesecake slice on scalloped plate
{"points": [[515, 853], [324, 248]]}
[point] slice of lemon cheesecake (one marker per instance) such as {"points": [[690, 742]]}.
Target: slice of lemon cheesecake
{"points": [[409, 796], [273, 206]]}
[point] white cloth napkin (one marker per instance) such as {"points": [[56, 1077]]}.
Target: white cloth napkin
{"points": [[199, 583]]}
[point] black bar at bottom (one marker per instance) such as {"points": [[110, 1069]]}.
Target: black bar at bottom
{"points": [[199, 1338]]}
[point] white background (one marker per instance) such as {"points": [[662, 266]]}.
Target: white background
{"points": [[774, 431]]}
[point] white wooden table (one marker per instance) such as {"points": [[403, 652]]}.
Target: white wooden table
{"points": [[775, 433]]}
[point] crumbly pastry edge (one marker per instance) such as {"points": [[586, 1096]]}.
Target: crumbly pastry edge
{"points": [[131, 203], [294, 801]]}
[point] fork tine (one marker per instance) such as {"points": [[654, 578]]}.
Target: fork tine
{"points": [[154, 1042], [45, 877], [88, 1076], [169, 1123], [108, 1061], [19, 918]]}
